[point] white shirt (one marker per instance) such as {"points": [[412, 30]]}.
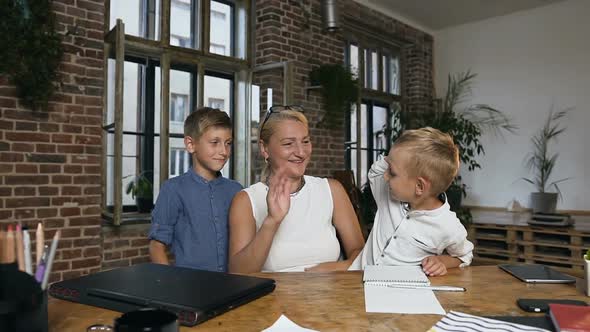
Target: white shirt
{"points": [[402, 237], [306, 237]]}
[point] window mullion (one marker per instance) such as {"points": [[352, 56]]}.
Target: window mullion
{"points": [[164, 117], [118, 149], [206, 25], [165, 23], [361, 78]]}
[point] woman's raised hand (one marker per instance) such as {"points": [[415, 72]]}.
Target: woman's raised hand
{"points": [[278, 198]]}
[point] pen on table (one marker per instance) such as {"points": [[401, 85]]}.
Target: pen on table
{"points": [[27, 249], [50, 259], [20, 249], [40, 272], [433, 288], [40, 241]]}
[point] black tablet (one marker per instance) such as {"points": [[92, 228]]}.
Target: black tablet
{"points": [[537, 273]]}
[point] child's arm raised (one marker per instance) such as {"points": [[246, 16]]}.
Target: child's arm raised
{"points": [[379, 186]]}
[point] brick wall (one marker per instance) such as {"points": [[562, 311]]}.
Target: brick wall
{"points": [[292, 31], [50, 159]]}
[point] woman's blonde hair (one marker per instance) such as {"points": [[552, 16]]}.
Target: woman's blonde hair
{"points": [[204, 118], [433, 155], [269, 128]]}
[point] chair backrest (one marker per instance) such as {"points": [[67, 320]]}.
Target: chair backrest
{"points": [[346, 178]]}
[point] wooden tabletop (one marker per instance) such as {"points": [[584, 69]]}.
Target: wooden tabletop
{"points": [[335, 302]]}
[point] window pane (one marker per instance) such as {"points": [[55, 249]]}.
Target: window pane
{"points": [[367, 69], [394, 76], [218, 91], [384, 73], [178, 157], [110, 172], [221, 29], [180, 99], [353, 60], [131, 94], [129, 173], [183, 25], [374, 71], [379, 126], [110, 117], [353, 141], [363, 144], [141, 17]]}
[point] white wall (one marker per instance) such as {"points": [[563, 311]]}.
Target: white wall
{"points": [[526, 62]]}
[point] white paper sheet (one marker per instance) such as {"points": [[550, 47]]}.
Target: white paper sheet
{"points": [[401, 300], [284, 324]]}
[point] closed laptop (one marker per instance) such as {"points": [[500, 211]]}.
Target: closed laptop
{"points": [[194, 295]]}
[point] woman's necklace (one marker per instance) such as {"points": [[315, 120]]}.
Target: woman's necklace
{"points": [[296, 192]]}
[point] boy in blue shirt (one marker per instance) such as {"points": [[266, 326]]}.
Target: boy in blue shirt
{"points": [[191, 212]]}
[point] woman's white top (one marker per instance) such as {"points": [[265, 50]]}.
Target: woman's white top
{"points": [[306, 237]]}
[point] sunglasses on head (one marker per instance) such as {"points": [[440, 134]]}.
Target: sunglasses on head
{"points": [[279, 109]]}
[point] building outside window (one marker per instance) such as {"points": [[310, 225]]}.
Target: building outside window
{"points": [[178, 107], [216, 103]]}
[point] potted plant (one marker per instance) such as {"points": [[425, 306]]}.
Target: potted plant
{"points": [[142, 190], [465, 122], [338, 87], [455, 193], [542, 163]]}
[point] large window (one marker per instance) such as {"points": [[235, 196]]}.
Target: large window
{"points": [[151, 88], [369, 122]]}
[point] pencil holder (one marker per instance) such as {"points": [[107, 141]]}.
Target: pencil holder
{"points": [[23, 304]]}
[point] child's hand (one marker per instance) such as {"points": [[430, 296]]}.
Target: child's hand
{"points": [[433, 266], [278, 198]]}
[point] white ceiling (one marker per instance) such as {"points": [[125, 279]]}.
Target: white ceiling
{"points": [[439, 14]]}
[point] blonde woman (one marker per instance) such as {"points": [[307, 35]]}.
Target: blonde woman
{"points": [[290, 221]]}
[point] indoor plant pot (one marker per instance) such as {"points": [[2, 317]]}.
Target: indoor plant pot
{"points": [[543, 202]]}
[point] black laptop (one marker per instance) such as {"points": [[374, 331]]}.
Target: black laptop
{"points": [[194, 295]]}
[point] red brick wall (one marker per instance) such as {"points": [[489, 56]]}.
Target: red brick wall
{"points": [[50, 159]]}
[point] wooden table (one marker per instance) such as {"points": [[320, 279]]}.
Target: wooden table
{"points": [[335, 302]]}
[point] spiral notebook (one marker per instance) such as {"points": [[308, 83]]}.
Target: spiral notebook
{"points": [[380, 297], [395, 275]]}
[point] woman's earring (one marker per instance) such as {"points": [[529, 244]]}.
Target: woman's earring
{"points": [[266, 160]]}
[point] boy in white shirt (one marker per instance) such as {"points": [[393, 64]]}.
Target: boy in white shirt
{"points": [[414, 224]]}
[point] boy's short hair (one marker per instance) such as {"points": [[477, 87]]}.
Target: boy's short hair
{"points": [[434, 156], [204, 118]]}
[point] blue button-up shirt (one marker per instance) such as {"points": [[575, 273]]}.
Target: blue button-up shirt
{"points": [[191, 216]]}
